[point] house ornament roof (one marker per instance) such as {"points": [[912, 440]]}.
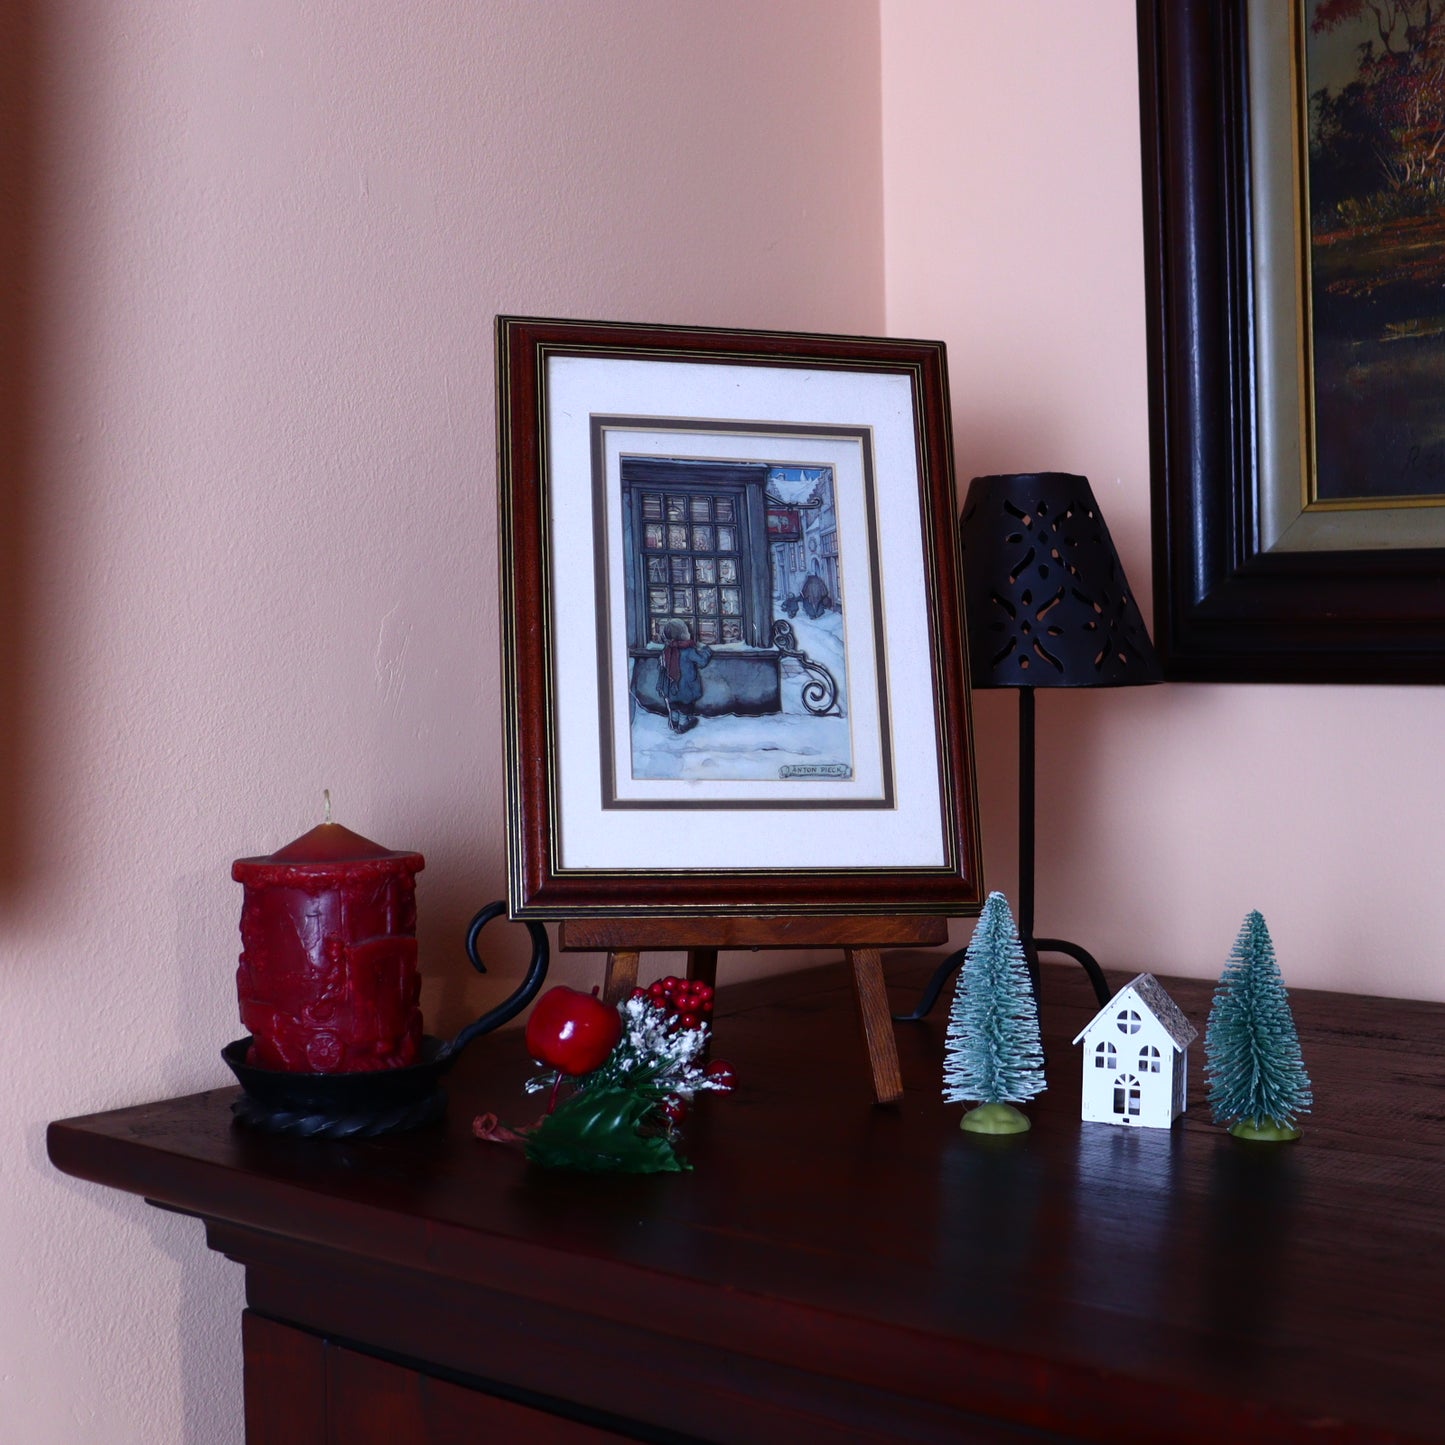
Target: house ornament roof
{"points": [[1150, 992]]}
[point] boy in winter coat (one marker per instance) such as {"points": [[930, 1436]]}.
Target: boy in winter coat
{"points": [[679, 680]]}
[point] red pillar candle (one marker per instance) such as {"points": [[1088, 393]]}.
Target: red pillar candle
{"points": [[328, 981]]}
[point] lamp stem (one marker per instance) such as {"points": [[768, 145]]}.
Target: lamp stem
{"points": [[1025, 915], [1026, 833], [1026, 811]]}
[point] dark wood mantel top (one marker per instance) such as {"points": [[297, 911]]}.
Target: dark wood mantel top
{"points": [[870, 1267]]}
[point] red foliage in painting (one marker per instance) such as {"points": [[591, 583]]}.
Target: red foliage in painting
{"points": [[1401, 25], [1378, 141]]}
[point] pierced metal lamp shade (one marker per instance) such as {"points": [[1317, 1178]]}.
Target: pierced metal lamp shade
{"points": [[1048, 603]]}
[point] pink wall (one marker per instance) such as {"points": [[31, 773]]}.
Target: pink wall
{"points": [[249, 548], [250, 542], [1012, 229]]}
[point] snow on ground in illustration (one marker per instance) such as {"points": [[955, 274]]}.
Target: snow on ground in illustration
{"points": [[753, 748], [822, 639]]}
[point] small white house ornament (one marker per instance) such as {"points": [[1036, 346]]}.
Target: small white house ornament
{"points": [[1136, 1058]]}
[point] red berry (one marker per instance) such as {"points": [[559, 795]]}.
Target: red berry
{"points": [[721, 1075], [674, 1109], [705, 1006], [655, 990], [687, 1021]]}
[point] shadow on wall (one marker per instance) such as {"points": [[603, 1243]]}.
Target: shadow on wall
{"points": [[19, 284]]}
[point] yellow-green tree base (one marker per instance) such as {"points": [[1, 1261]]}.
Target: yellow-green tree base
{"points": [[1266, 1130], [994, 1119]]}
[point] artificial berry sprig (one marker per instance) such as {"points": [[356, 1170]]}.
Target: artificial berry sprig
{"points": [[627, 1113], [688, 1000]]}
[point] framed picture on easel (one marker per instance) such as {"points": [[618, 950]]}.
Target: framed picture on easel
{"points": [[733, 651]]}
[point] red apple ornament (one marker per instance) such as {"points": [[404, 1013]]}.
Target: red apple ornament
{"points": [[571, 1031]]}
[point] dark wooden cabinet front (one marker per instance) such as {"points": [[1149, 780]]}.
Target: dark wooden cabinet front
{"points": [[302, 1389], [834, 1272]]}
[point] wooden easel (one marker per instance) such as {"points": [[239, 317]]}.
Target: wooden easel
{"points": [[624, 940]]}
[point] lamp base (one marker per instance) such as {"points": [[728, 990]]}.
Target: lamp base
{"points": [[1032, 948], [1084, 959]]}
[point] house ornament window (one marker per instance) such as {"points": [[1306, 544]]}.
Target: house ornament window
{"points": [[1126, 1095], [1106, 1056], [1128, 1021], [1149, 1060]]}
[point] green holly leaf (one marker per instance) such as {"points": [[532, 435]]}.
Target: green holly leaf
{"points": [[596, 1130]]}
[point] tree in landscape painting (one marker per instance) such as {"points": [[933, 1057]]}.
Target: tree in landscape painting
{"points": [[1381, 133], [1376, 120], [1252, 1060], [992, 1052]]}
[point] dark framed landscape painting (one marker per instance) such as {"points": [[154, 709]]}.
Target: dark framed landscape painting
{"points": [[1373, 122], [1294, 178]]}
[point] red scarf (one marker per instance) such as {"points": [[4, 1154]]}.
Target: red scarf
{"points": [[672, 658]]}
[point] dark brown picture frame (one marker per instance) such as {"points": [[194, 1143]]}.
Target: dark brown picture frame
{"points": [[1225, 609], [541, 883]]}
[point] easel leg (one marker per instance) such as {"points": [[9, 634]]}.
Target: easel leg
{"points": [[702, 965], [867, 966], [621, 976]]}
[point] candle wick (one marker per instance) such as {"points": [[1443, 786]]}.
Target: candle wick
{"points": [[326, 794]]}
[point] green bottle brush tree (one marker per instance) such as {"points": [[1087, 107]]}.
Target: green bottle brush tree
{"points": [[992, 1052], [1252, 1061]]}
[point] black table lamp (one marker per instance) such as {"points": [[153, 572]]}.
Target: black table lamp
{"points": [[1048, 606]]}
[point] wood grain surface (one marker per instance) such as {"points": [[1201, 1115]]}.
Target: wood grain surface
{"points": [[832, 1270]]}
